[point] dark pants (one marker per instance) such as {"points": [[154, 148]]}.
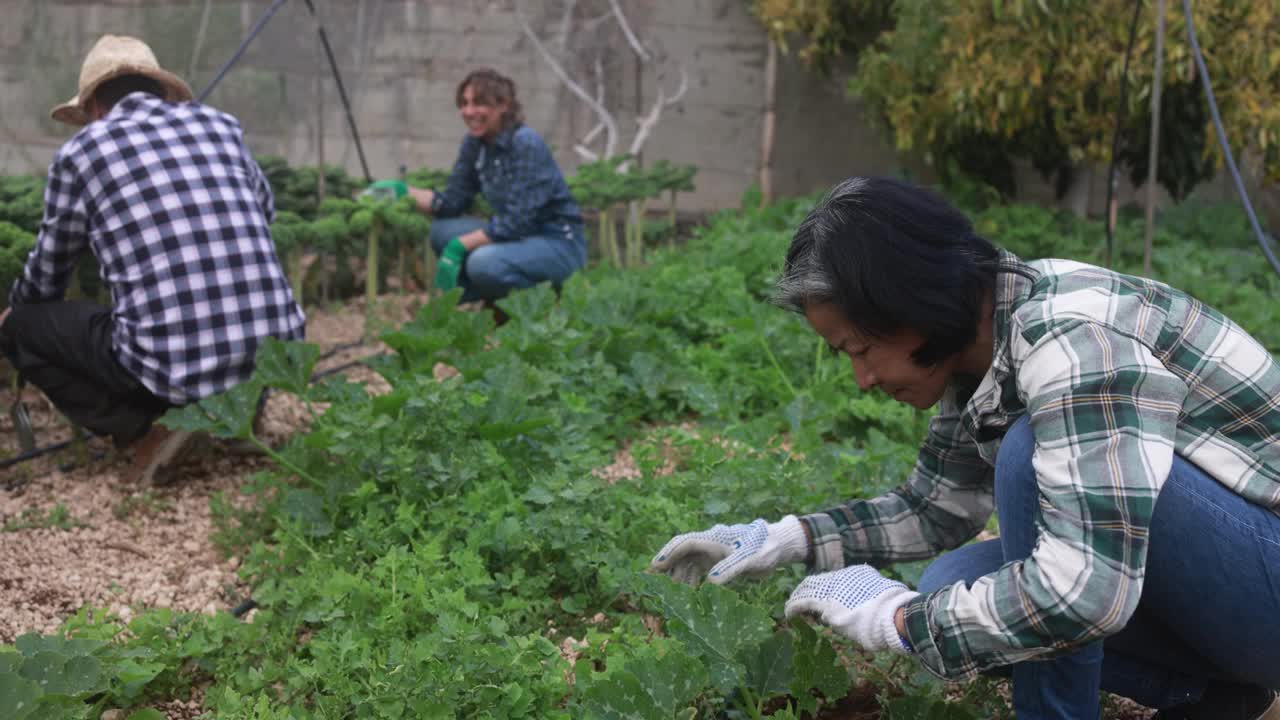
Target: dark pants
{"points": [[64, 348], [1210, 605]]}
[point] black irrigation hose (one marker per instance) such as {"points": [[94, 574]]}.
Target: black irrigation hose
{"points": [[1115, 137], [339, 348], [333, 65], [240, 50], [244, 607], [342, 91], [33, 454], [346, 366], [1259, 235]]}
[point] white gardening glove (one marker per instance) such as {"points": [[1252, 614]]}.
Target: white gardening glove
{"points": [[856, 602], [726, 551]]}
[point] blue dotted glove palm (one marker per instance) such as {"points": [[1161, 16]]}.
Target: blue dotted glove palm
{"points": [[727, 551], [450, 265], [856, 602]]}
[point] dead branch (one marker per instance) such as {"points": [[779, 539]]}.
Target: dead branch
{"points": [[650, 120], [626, 31], [611, 126], [126, 546], [581, 146]]}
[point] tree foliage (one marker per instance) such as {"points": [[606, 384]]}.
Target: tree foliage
{"points": [[976, 83], [829, 29]]}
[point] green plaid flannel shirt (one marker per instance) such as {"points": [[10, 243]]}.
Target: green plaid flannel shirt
{"points": [[1117, 374]]}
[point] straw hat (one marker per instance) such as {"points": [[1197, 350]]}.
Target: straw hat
{"points": [[111, 57]]}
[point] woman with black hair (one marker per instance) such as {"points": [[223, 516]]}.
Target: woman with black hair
{"points": [[535, 233], [1127, 436]]}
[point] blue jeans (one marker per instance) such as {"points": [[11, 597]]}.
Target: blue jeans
{"points": [[491, 271], [1210, 605]]}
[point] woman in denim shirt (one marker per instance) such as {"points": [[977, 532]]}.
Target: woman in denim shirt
{"points": [[535, 233]]}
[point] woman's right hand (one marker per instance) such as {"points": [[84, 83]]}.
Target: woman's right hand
{"points": [[725, 552], [422, 198]]}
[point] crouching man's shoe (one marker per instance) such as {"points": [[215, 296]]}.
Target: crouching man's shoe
{"points": [[157, 454]]}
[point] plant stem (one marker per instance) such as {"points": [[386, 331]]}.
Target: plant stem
{"points": [[776, 365], [371, 276], [817, 364], [602, 227], [428, 267], [279, 460], [753, 703], [403, 269], [298, 538], [296, 275], [671, 218]]}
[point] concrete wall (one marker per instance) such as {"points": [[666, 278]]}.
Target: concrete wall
{"points": [[401, 59]]}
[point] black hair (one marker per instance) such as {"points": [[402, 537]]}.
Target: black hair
{"points": [[111, 91], [892, 256]]}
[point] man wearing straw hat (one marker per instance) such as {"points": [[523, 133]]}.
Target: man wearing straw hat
{"points": [[165, 194]]}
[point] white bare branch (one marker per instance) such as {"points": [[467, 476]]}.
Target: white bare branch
{"points": [[595, 131], [650, 120], [566, 21], [626, 30], [606, 118], [199, 41], [682, 89]]}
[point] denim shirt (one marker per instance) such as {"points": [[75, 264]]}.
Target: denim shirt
{"points": [[519, 177]]}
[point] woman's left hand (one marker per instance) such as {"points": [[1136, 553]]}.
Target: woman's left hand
{"points": [[856, 602], [422, 198], [474, 239]]}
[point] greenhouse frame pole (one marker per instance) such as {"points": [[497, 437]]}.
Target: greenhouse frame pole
{"points": [[1157, 81]]}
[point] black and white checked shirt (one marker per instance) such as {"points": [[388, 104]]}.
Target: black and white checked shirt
{"points": [[172, 204]]}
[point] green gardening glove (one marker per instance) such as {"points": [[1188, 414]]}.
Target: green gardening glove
{"points": [[450, 265], [386, 190]]}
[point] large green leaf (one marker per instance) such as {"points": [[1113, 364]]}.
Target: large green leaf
{"points": [[57, 674], [713, 622], [18, 697], [286, 365], [817, 667], [32, 643], [769, 667], [618, 697], [307, 509], [439, 333], [226, 415], [671, 681], [653, 686]]}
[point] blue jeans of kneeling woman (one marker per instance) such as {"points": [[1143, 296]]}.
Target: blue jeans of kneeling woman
{"points": [[1210, 605], [491, 271]]}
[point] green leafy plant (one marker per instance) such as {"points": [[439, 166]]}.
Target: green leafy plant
{"points": [[54, 678], [57, 517], [431, 552], [976, 85]]}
